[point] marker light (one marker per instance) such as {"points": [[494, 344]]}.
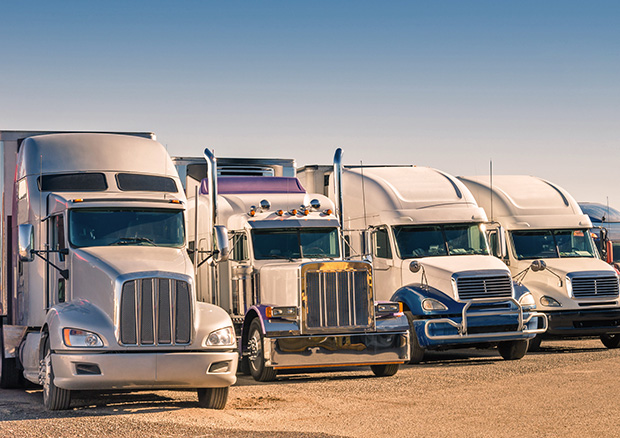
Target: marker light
{"points": [[175, 201], [252, 212], [328, 211], [306, 212], [280, 212], [78, 200], [293, 212]]}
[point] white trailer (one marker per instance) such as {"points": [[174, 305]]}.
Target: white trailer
{"points": [[295, 301], [425, 235], [538, 230], [98, 291]]}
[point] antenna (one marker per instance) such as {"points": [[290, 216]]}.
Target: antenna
{"points": [[491, 186], [363, 194]]}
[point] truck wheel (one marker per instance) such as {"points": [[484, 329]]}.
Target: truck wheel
{"points": [[10, 377], [256, 346], [611, 340], [385, 370], [212, 398], [534, 343], [416, 353], [512, 350], [54, 398]]}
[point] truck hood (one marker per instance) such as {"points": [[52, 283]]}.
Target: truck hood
{"points": [[439, 270], [94, 271]]}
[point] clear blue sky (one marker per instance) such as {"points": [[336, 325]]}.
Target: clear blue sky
{"points": [[532, 85]]}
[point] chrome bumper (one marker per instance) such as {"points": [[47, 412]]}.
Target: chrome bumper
{"points": [[145, 370], [462, 326], [337, 350]]}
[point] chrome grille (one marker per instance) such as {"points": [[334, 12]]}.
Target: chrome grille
{"points": [[595, 287], [495, 286], [337, 300], [155, 311]]}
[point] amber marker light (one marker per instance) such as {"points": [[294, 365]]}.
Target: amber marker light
{"points": [[268, 312], [293, 212], [280, 212], [306, 212], [175, 201], [328, 211], [78, 200], [252, 213]]}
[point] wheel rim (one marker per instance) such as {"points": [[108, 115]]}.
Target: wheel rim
{"points": [[46, 375], [256, 350]]}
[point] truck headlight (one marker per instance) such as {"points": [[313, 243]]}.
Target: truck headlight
{"points": [[224, 336], [81, 338], [527, 301], [389, 308], [549, 302], [281, 312], [431, 304]]}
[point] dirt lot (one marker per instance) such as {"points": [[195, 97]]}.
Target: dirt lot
{"points": [[568, 389]]}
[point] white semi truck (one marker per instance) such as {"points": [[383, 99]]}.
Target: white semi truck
{"points": [[97, 288], [541, 234], [296, 302], [425, 235]]}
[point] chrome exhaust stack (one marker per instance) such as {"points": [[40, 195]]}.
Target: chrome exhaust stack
{"points": [[212, 184], [338, 186]]}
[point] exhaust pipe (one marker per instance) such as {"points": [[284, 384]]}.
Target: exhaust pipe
{"points": [[338, 186], [212, 184]]}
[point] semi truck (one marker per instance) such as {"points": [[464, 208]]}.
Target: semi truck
{"points": [[538, 230], [270, 254], [605, 230], [424, 233], [97, 288]]}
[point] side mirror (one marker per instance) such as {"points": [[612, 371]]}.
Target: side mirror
{"points": [[415, 266], [25, 242], [221, 239], [538, 265], [501, 242]]}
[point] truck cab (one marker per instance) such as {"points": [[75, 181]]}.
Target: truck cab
{"points": [[541, 234], [425, 235], [296, 302], [103, 291]]}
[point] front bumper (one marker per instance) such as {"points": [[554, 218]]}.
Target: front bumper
{"points": [[171, 370], [482, 326], [583, 323], [337, 350]]}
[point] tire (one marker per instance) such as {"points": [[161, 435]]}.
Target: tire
{"points": [[611, 340], [512, 350], [212, 398], [54, 398], [416, 353], [534, 343], [244, 366], [385, 370], [10, 375], [256, 359]]}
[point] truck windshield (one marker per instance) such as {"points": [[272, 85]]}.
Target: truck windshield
{"points": [[415, 241], [116, 226], [295, 243], [551, 244]]}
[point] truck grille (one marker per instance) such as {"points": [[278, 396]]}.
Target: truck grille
{"points": [[338, 299], [155, 311], [495, 286], [595, 287]]}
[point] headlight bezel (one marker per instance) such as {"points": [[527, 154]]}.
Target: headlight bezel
{"points": [[79, 338], [222, 337]]}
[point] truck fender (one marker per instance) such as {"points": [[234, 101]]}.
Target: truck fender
{"points": [[253, 312], [78, 314], [412, 296], [209, 318], [520, 290]]}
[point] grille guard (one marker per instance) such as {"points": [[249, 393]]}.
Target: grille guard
{"points": [[462, 327]]}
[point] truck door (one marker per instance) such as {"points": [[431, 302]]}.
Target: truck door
{"points": [[57, 285], [387, 277]]}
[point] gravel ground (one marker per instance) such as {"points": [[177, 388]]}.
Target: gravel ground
{"points": [[569, 389]]}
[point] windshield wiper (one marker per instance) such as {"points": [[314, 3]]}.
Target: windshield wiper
{"points": [[130, 240]]}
